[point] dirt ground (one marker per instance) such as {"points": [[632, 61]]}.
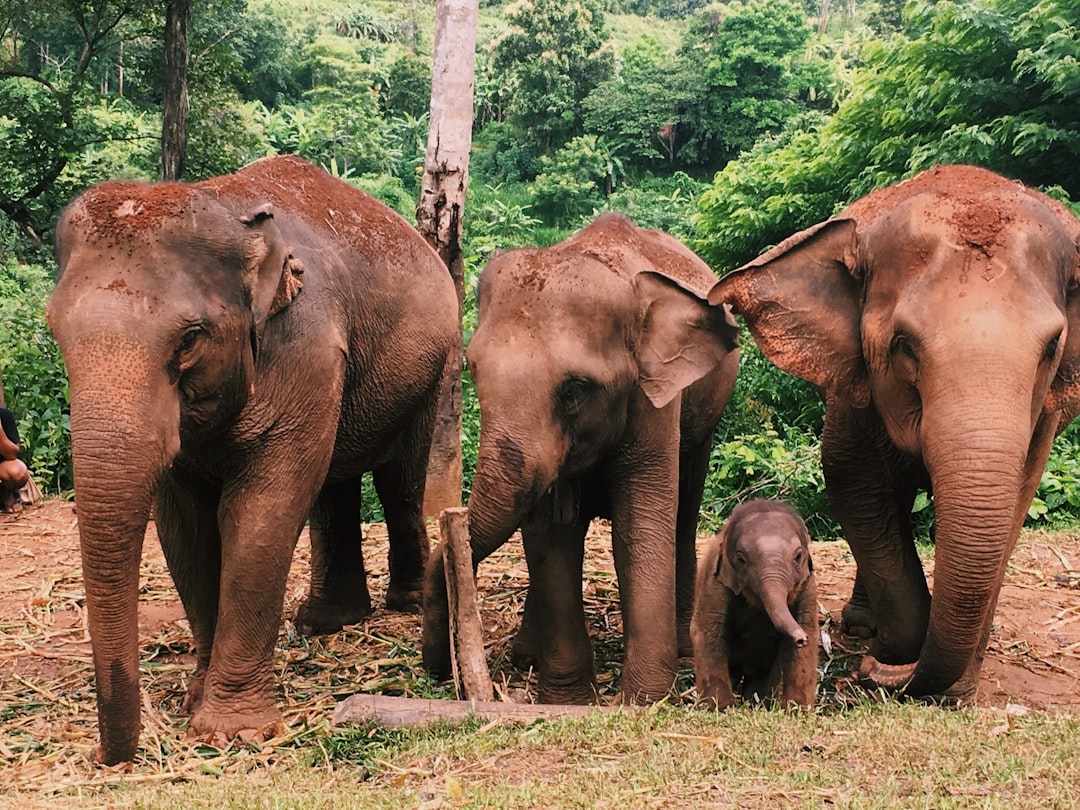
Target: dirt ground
{"points": [[46, 699]]}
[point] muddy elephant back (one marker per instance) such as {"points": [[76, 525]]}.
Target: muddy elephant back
{"points": [[374, 230], [962, 183], [628, 250]]}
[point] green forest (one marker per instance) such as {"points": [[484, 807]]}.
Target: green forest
{"points": [[730, 126]]}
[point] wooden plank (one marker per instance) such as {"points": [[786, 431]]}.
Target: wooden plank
{"points": [[399, 711]]}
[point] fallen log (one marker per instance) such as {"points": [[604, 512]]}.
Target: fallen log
{"points": [[399, 711]]}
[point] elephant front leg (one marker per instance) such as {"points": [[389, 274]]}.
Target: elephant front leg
{"points": [[238, 696], [693, 467], [709, 633], [186, 519], [564, 659], [872, 501], [338, 592]]}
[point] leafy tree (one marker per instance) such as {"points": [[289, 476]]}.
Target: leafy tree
{"points": [[406, 87], [742, 73], [635, 108], [553, 54], [577, 180], [994, 83], [46, 91]]}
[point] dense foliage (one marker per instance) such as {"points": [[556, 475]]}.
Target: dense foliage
{"points": [[731, 126]]}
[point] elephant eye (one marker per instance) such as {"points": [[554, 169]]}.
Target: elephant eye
{"points": [[573, 393], [741, 560], [799, 558], [1052, 347], [187, 340], [900, 344]]}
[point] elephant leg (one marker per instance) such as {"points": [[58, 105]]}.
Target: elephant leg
{"points": [[524, 652], [555, 555], [857, 615], [870, 507], [338, 592], [693, 467], [187, 527], [798, 675], [258, 536], [400, 485], [644, 493]]}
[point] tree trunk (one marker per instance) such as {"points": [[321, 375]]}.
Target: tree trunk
{"points": [[174, 117], [439, 216]]}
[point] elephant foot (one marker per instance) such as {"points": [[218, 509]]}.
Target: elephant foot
{"points": [[579, 694], [194, 694], [405, 599], [318, 617], [856, 619], [524, 652], [219, 728]]}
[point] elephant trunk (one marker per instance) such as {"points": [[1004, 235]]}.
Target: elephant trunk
{"points": [[120, 445], [976, 475], [506, 485], [774, 597]]}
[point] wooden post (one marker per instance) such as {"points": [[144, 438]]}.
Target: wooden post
{"points": [[471, 677]]}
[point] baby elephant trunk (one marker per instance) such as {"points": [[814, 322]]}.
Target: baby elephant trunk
{"points": [[775, 599]]}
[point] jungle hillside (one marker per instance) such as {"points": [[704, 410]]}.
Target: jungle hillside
{"points": [[729, 126]]}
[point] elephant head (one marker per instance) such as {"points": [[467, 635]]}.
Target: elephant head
{"points": [[559, 353], [766, 561], [170, 292], [939, 316]]}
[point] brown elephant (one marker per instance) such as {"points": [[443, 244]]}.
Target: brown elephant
{"points": [[941, 319], [240, 351], [601, 373], [755, 622]]}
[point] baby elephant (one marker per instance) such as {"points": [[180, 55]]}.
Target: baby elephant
{"points": [[754, 626]]}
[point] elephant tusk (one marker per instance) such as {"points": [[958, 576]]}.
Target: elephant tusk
{"points": [[896, 677]]}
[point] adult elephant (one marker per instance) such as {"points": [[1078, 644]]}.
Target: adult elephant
{"points": [[941, 319], [601, 373], [240, 351]]}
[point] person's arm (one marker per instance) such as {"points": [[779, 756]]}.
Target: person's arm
{"points": [[9, 436]]}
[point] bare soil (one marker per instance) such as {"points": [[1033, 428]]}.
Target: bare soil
{"points": [[47, 701]]}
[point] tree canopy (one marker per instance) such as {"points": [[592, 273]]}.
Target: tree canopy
{"points": [[993, 83]]}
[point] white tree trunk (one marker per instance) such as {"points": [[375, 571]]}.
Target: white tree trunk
{"points": [[439, 215]]}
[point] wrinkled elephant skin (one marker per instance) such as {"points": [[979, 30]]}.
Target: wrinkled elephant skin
{"points": [[601, 373], [755, 622], [240, 351], [940, 317]]}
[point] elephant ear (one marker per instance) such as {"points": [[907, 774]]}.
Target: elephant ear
{"points": [[802, 303], [682, 338], [1064, 393], [272, 275], [725, 571]]}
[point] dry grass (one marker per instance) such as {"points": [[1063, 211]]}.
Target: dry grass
{"points": [[857, 750]]}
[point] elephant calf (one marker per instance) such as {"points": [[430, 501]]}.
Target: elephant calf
{"points": [[755, 627], [240, 351]]}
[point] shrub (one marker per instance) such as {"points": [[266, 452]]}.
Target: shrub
{"points": [[35, 382]]}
